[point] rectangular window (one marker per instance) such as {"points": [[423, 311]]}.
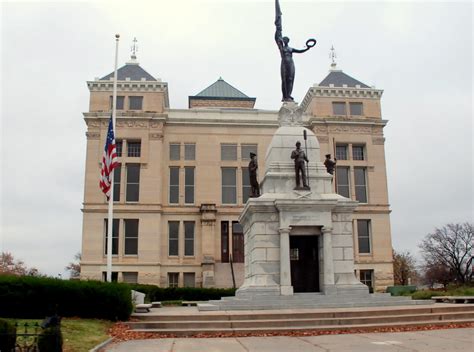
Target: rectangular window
{"points": [[189, 151], [189, 185], [175, 151], [229, 185], [246, 149], [367, 278], [173, 237], [133, 182], [118, 147], [134, 148], [115, 235], [363, 234], [228, 151], [173, 279], [246, 187], [130, 277], [342, 177], [341, 152], [120, 102], [355, 109], [189, 279], [131, 236], [237, 242], [358, 152], [114, 276], [174, 185], [339, 108], [135, 103], [224, 241], [360, 184], [117, 175], [189, 238]]}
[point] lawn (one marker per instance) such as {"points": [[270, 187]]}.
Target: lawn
{"points": [[79, 335]]}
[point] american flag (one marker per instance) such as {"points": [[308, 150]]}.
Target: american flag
{"points": [[109, 161]]}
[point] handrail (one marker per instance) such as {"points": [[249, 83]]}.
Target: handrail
{"points": [[232, 269]]}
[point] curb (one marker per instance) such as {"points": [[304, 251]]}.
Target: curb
{"points": [[101, 345]]}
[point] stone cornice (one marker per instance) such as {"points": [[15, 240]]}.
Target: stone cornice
{"points": [[340, 92], [128, 86]]}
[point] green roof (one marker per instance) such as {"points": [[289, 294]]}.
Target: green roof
{"points": [[222, 89]]}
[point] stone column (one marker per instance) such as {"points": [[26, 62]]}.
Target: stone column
{"points": [[285, 271], [328, 263]]}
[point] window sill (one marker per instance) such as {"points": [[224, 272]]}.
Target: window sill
{"points": [[131, 255]]}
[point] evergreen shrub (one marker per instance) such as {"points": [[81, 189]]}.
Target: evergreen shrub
{"points": [[155, 293], [36, 297], [7, 335]]}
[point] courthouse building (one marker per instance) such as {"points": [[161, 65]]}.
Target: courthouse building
{"points": [[183, 179]]}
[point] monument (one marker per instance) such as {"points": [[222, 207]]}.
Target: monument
{"points": [[298, 241]]}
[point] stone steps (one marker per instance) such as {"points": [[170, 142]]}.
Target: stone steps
{"points": [[284, 321], [308, 301]]}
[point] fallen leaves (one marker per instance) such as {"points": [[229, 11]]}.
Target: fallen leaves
{"points": [[122, 332]]}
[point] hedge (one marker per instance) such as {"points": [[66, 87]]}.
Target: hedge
{"points": [[400, 290], [155, 293], [35, 298]]}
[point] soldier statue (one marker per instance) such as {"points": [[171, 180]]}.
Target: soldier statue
{"points": [[299, 156], [330, 165], [253, 167]]}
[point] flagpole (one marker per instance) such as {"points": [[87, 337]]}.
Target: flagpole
{"points": [[111, 198]]}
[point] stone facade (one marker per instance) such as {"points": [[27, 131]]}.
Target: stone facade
{"points": [[204, 258]]}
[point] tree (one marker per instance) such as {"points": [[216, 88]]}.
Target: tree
{"points": [[451, 247], [404, 267], [10, 266], [437, 273], [74, 268]]}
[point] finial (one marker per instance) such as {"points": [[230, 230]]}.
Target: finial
{"points": [[134, 49], [332, 56]]}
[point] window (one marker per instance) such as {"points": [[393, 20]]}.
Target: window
{"points": [[341, 152], [134, 149], [175, 151], [120, 102], [130, 277], [131, 236], [117, 175], [358, 152], [360, 184], [189, 151], [173, 279], [237, 242], [363, 234], [229, 185], [355, 109], [228, 151], [114, 276], [339, 108], [115, 236], [246, 149], [118, 148], [189, 185], [367, 278], [173, 237], [135, 103], [189, 238], [174, 185], [246, 187], [189, 279], [133, 182], [342, 177], [224, 241]]}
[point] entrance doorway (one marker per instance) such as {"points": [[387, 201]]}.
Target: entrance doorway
{"points": [[304, 263]]}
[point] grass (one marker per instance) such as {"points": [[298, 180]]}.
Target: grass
{"points": [[171, 303], [450, 291], [79, 335]]}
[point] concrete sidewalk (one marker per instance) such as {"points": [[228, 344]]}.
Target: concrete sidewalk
{"points": [[417, 341]]}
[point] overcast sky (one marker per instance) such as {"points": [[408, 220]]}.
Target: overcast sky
{"points": [[419, 53]]}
